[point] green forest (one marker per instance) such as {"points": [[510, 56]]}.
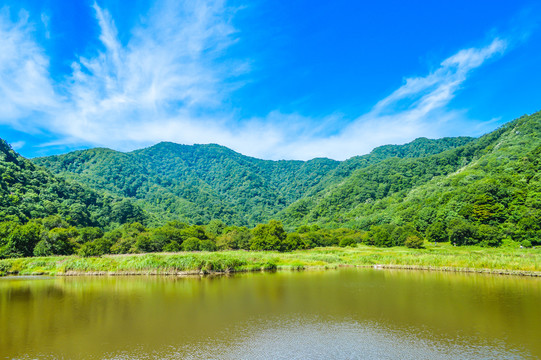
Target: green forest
{"points": [[166, 198], [200, 183]]}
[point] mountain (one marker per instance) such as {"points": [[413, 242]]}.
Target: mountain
{"points": [[28, 191], [470, 191], [490, 187], [379, 180], [203, 182]]}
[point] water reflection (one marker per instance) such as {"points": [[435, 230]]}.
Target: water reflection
{"points": [[330, 314]]}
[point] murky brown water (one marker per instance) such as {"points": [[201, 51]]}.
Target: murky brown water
{"points": [[338, 314]]}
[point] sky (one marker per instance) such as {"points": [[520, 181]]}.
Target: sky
{"points": [[271, 79]]}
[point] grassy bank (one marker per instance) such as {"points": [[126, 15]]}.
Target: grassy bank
{"points": [[440, 257]]}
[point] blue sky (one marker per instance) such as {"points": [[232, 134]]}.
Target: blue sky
{"points": [[270, 79]]}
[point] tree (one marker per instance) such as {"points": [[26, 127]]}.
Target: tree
{"points": [[215, 228], [173, 246], [414, 242], [381, 236], [89, 249], [436, 232], [268, 236], [207, 245], [292, 242], [57, 241], [348, 241], [88, 234], [191, 244], [461, 232], [22, 240], [489, 235]]}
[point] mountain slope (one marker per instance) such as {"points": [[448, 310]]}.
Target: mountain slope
{"points": [[203, 182], [492, 184], [380, 180], [28, 191], [196, 183]]}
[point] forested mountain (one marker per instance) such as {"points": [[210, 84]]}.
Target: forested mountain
{"points": [[28, 192], [203, 182], [381, 179], [468, 191], [484, 191]]}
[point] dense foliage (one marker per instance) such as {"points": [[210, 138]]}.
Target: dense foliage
{"points": [[485, 191], [54, 236], [203, 182], [28, 192]]}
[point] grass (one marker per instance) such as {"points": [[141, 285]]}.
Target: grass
{"points": [[439, 257]]}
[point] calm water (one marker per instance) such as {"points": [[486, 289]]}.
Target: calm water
{"points": [[338, 314]]}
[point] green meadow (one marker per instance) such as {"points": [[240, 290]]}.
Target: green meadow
{"points": [[443, 257]]}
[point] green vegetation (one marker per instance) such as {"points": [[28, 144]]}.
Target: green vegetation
{"points": [[199, 183], [55, 236], [439, 257], [29, 192], [483, 192]]}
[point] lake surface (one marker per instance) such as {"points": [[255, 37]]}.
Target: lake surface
{"points": [[333, 314]]}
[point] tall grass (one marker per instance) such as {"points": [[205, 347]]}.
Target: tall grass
{"points": [[440, 257]]}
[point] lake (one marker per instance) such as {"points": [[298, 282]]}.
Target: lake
{"points": [[332, 314]]}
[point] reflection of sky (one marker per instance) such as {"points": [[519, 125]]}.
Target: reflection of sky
{"points": [[305, 339]]}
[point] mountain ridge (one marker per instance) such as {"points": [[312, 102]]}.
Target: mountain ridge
{"points": [[198, 183]]}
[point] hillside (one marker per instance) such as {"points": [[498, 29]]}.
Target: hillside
{"points": [[28, 192], [377, 181], [203, 182], [484, 191], [491, 185]]}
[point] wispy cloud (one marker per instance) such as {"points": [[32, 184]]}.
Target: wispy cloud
{"points": [[25, 85], [169, 82], [417, 108], [46, 24], [167, 70], [17, 145]]}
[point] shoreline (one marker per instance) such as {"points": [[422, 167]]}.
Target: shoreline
{"points": [[502, 272], [494, 261]]}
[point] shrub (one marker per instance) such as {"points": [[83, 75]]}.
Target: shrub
{"points": [[414, 242], [348, 241], [207, 245], [191, 244], [526, 243]]}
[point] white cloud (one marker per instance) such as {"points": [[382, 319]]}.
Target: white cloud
{"points": [[46, 24], [161, 84], [167, 70], [418, 108], [17, 145], [25, 85]]}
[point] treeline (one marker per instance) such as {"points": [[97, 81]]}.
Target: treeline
{"points": [[53, 235], [459, 232]]}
